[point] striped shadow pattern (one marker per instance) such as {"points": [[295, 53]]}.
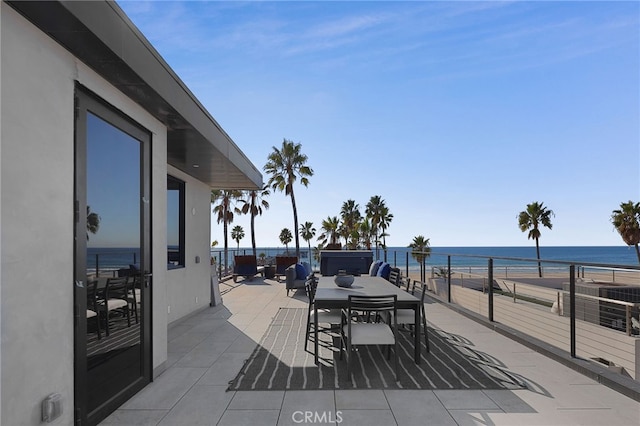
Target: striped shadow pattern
{"points": [[279, 362]]}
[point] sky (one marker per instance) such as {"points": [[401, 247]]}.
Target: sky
{"points": [[458, 114]]}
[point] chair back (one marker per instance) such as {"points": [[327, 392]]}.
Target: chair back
{"points": [[419, 287], [92, 295], [372, 304], [310, 288], [283, 262], [394, 276], [117, 288]]}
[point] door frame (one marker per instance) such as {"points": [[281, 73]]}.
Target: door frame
{"points": [[87, 101]]}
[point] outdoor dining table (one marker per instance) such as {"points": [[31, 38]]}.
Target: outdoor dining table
{"points": [[330, 296]]}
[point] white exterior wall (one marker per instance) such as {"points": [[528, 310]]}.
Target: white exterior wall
{"points": [[37, 174], [188, 288]]}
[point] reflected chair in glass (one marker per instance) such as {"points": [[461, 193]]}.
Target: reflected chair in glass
{"points": [[332, 317], [134, 293], [92, 304], [116, 299], [356, 333]]}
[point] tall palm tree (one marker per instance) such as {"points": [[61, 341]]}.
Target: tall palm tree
{"points": [[373, 210], [307, 232], [225, 210], [330, 231], [366, 232], [93, 222], [531, 219], [421, 250], [350, 214], [237, 233], [253, 204], [627, 223], [285, 238], [286, 165], [385, 221]]}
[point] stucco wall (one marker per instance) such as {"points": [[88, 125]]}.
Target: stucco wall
{"points": [[188, 288], [37, 125]]}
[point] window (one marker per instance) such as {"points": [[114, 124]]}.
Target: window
{"points": [[175, 223]]}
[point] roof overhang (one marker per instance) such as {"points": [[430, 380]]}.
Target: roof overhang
{"points": [[100, 34]]}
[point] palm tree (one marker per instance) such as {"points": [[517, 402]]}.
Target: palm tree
{"points": [[366, 232], [224, 211], [286, 165], [307, 232], [237, 233], [93, 222], [530, 220], [385, 221], [421, 250], [627, 223], [350, 214], [285, 237], [330, 231], [254, 205], [373, 210]]}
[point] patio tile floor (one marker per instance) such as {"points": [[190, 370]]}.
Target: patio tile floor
{"points": [[207, 350]]}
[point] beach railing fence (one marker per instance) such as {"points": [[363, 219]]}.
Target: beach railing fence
{"points": [[590, 310]]}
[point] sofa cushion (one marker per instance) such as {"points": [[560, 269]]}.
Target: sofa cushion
{"points": [[307, 269], [384, 270], [373, 269], [301, 273]]}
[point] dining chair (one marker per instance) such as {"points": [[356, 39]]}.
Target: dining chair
{"points": [[407, 316], [134, 293], [92, 304], [333, 317], [116, 298], [356, 333], [394, 277]]}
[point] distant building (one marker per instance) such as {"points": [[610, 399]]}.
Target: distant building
{"points": [[107, 163]]}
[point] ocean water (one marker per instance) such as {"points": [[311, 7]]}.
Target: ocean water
{"points": [[114, 258]]}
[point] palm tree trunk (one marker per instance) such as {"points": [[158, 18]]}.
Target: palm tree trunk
{"points": [[295, 222], [638, 252], [538, 254], [226, 246], [253, 235]]}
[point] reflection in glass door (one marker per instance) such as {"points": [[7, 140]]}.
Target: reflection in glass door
{"points": [[112, 257]]}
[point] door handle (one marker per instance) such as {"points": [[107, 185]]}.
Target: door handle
{"points": [[79, 283], [146, 276]]}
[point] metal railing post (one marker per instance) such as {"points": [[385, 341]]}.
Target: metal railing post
{"points": [[449, 279], [490, 279], [407, 267], [97, 265], [572, 307]]}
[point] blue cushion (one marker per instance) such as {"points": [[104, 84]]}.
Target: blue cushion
{"points": [[384, 270], [307, 269], [301, 273], [373, 269]]}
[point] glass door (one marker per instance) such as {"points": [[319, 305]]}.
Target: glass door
{"points": [[112, 248]]}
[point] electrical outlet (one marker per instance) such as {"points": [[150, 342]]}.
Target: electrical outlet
{"points": [[196, 299], [168, 309]]}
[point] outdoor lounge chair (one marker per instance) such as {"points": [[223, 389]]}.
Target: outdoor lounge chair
{"points": [[283, 262], [245, 266]]}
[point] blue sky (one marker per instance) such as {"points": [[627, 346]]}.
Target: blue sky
{"points": [[458, 114]]}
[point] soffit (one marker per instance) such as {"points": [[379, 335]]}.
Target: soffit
{"points": [[100, 35]]}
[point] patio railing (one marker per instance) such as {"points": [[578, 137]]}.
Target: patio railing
{"points": [[590, 310]]}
